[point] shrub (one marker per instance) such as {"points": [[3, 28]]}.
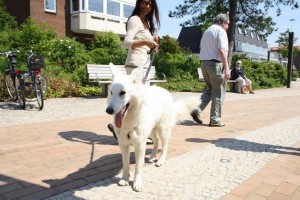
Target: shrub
{"points": [[265, 74], [67, 53], [177, 67], [105, 56], [32, 35], [169, 45], [184, 86], [106, 40]]}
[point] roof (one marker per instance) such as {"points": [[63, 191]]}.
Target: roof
{"points": [[277, 48], [189, 37]]}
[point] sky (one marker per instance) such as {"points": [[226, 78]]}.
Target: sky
{"points": [[171, 26]]}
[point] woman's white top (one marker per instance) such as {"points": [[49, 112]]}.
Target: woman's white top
{"points": [[136, 31]]}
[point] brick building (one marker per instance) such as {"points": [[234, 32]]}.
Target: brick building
{"points": [[75, 18]]}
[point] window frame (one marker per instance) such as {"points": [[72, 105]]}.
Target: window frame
{"points": [[117, 2], [49, 10], [103, 7], [123, 9]]}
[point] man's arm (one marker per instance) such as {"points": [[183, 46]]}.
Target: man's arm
{"points": [[224, 54]]}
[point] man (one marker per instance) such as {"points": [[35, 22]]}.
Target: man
{"points": [[238, 74], [215, 69]]}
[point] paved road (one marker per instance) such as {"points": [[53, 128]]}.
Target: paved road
{"points": [[66, 152]]}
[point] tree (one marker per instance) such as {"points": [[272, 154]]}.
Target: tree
{"points": [[283, 43], [251, 14], [283, 39]]}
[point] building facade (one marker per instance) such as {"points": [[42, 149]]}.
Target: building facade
{"points": [[246, 42], [75, 18], [250, 43]]}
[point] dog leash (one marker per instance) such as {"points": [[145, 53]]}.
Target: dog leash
{"points": [[151, 62]]}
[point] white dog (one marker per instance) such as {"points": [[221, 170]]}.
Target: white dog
{"points": [[140, 112]]}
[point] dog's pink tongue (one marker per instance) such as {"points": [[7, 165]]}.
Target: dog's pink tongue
{"points": [[118, 119]]}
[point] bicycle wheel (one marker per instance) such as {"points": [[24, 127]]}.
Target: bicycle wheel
{"points": [[29, 90], [10, 85], [44, 83], [20, 91], [39, 93]]}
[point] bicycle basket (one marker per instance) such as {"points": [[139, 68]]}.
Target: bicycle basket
{"points": [[36, 62]]}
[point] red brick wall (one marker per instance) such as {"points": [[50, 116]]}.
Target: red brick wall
{"points": [[18, 8], [59, 20]]}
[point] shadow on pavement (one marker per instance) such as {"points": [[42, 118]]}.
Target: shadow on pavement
{"points": [[10, 105], [244, 145], [106, 166]]}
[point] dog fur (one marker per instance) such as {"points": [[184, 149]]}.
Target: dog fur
{"points": [[140, 112]]}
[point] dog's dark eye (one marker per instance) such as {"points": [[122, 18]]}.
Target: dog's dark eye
{"points": [[122, 93]]}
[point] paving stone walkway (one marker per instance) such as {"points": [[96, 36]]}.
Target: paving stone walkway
{"points": [[66, 152]]}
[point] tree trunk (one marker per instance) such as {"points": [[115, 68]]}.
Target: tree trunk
{"points": [[231, 28]]}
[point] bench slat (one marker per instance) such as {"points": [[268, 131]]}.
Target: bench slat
{"points": [[101, 74], [233, 86]]}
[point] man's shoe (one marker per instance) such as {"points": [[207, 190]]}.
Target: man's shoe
{"points": [[251, 92], [111, 129], [216, 124], [196, 118]]}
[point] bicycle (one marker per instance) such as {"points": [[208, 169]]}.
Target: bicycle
{"points": [[34, 82], [10, 73]]}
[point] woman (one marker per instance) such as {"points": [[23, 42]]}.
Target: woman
{"points": [[140, 37]]}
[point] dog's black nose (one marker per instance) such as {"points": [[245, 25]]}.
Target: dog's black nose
{"points": [[109, 111]]}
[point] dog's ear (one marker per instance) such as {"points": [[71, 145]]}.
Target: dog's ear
{"points": [[137, 75], [114, 70]]}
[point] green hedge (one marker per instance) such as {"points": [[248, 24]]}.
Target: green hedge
{"points": [[66, 60]]}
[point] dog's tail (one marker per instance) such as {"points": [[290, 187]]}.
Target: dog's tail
{"points": [[184, 107]]}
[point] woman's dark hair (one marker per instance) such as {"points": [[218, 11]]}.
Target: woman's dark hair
{"points": [[149, 17]]}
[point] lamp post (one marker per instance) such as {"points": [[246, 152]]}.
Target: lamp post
{"points": [[290, 55], [292, 24]]}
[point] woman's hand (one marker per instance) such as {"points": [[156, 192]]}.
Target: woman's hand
{"points": [[156, 39], [152, 44]]}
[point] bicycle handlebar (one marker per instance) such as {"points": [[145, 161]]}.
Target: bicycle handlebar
{"points": [[28, 55], [8, 53]]}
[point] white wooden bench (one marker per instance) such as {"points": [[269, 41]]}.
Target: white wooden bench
{"points": [[234, 86], [101, 74]]}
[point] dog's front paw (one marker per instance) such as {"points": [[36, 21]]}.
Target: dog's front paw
{"points": [[152, 160], [137, 186], [159, 163], [123, 182]]}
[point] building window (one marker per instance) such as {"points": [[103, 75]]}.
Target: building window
{"points": [[75, 5], [83, 4], [239, 30], [258, 38], [127, 10], [50, 6], [96, 5], [113, 8]]}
